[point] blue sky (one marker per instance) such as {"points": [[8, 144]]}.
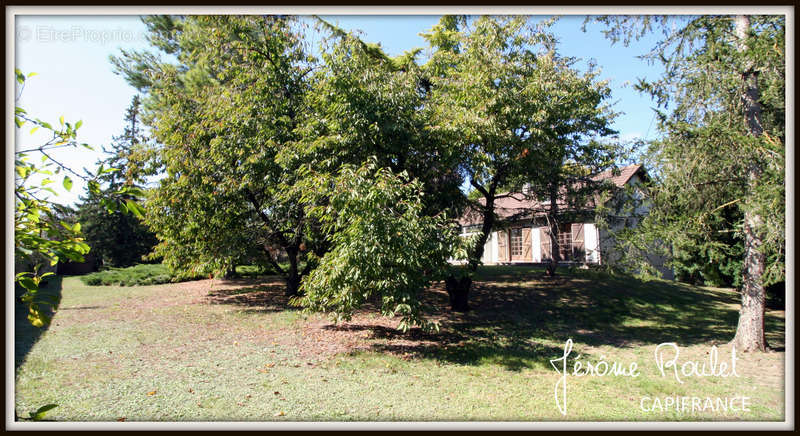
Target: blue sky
{"points": [[75, 79]]}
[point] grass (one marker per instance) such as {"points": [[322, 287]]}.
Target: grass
{"points": [[235, 350], [153, 274]]}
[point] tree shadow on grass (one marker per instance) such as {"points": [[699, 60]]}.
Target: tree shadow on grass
{"points": [[481, 336], [521, 319], [518, 314], [27, 335], [598, 309], [262, 298], [471, 345]]}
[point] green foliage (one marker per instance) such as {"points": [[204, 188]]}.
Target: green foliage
{"points": [[709, 169], [118, 237], [41, 238], [364, 103], [155, 274], [252, 270], [715, 261], [513, 110], [221, 117], [382, 244], [138, 275], [40, 413]]}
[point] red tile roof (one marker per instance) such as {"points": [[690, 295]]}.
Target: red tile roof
{"points": [[624, 176], [516, 206]]}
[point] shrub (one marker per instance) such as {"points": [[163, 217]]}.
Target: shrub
{"points": [[138, 275], [153, 274]]}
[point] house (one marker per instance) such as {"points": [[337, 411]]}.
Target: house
{"points": [[522, 233]]}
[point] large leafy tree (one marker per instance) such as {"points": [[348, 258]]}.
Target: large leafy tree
{"points": [[719, 168], [118, 238], [383, 244], [223, 113], [380, 183], [565, 184], [246, 113], [365, 104], [511, 107]]}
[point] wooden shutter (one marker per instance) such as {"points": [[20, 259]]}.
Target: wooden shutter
{"points": [[502, 246], [544, 234], [527, 253], [578, 245]]}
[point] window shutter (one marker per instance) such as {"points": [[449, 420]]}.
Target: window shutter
{"points": [[502, 246], [526, 244], [578, 245], [547, 253]]}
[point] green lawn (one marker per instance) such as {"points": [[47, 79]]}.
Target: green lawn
{"points": [[235, 350]]}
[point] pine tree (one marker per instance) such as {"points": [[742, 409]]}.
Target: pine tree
{"points": [[118, 238], [722, 111]]}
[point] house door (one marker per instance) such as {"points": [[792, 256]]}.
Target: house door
{"points": [[521, 244]]}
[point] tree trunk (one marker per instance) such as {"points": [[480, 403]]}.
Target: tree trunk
{"points": [[476, 252], [293, 275], [229, 273], [555, 249], [750, 335], [458, 290]]}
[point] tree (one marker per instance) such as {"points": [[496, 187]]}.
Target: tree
{"points": [[117, 238], [510, 106], [255, 111], [223, 116], [379, 181], [720, 165], [365, 104], [382, 244], [564, 189]]}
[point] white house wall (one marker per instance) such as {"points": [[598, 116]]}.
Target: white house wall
{"points": [[487, 252], [495, 250], [591, 243], [536, 241], [489, 255]]}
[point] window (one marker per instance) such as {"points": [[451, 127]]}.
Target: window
{"points": [[565, 244], [571, 243], [516, 242]]}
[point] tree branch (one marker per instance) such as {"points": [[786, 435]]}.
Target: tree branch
{"points": [[479, 187], [63, 166], [252, 198], [272, 261]]}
